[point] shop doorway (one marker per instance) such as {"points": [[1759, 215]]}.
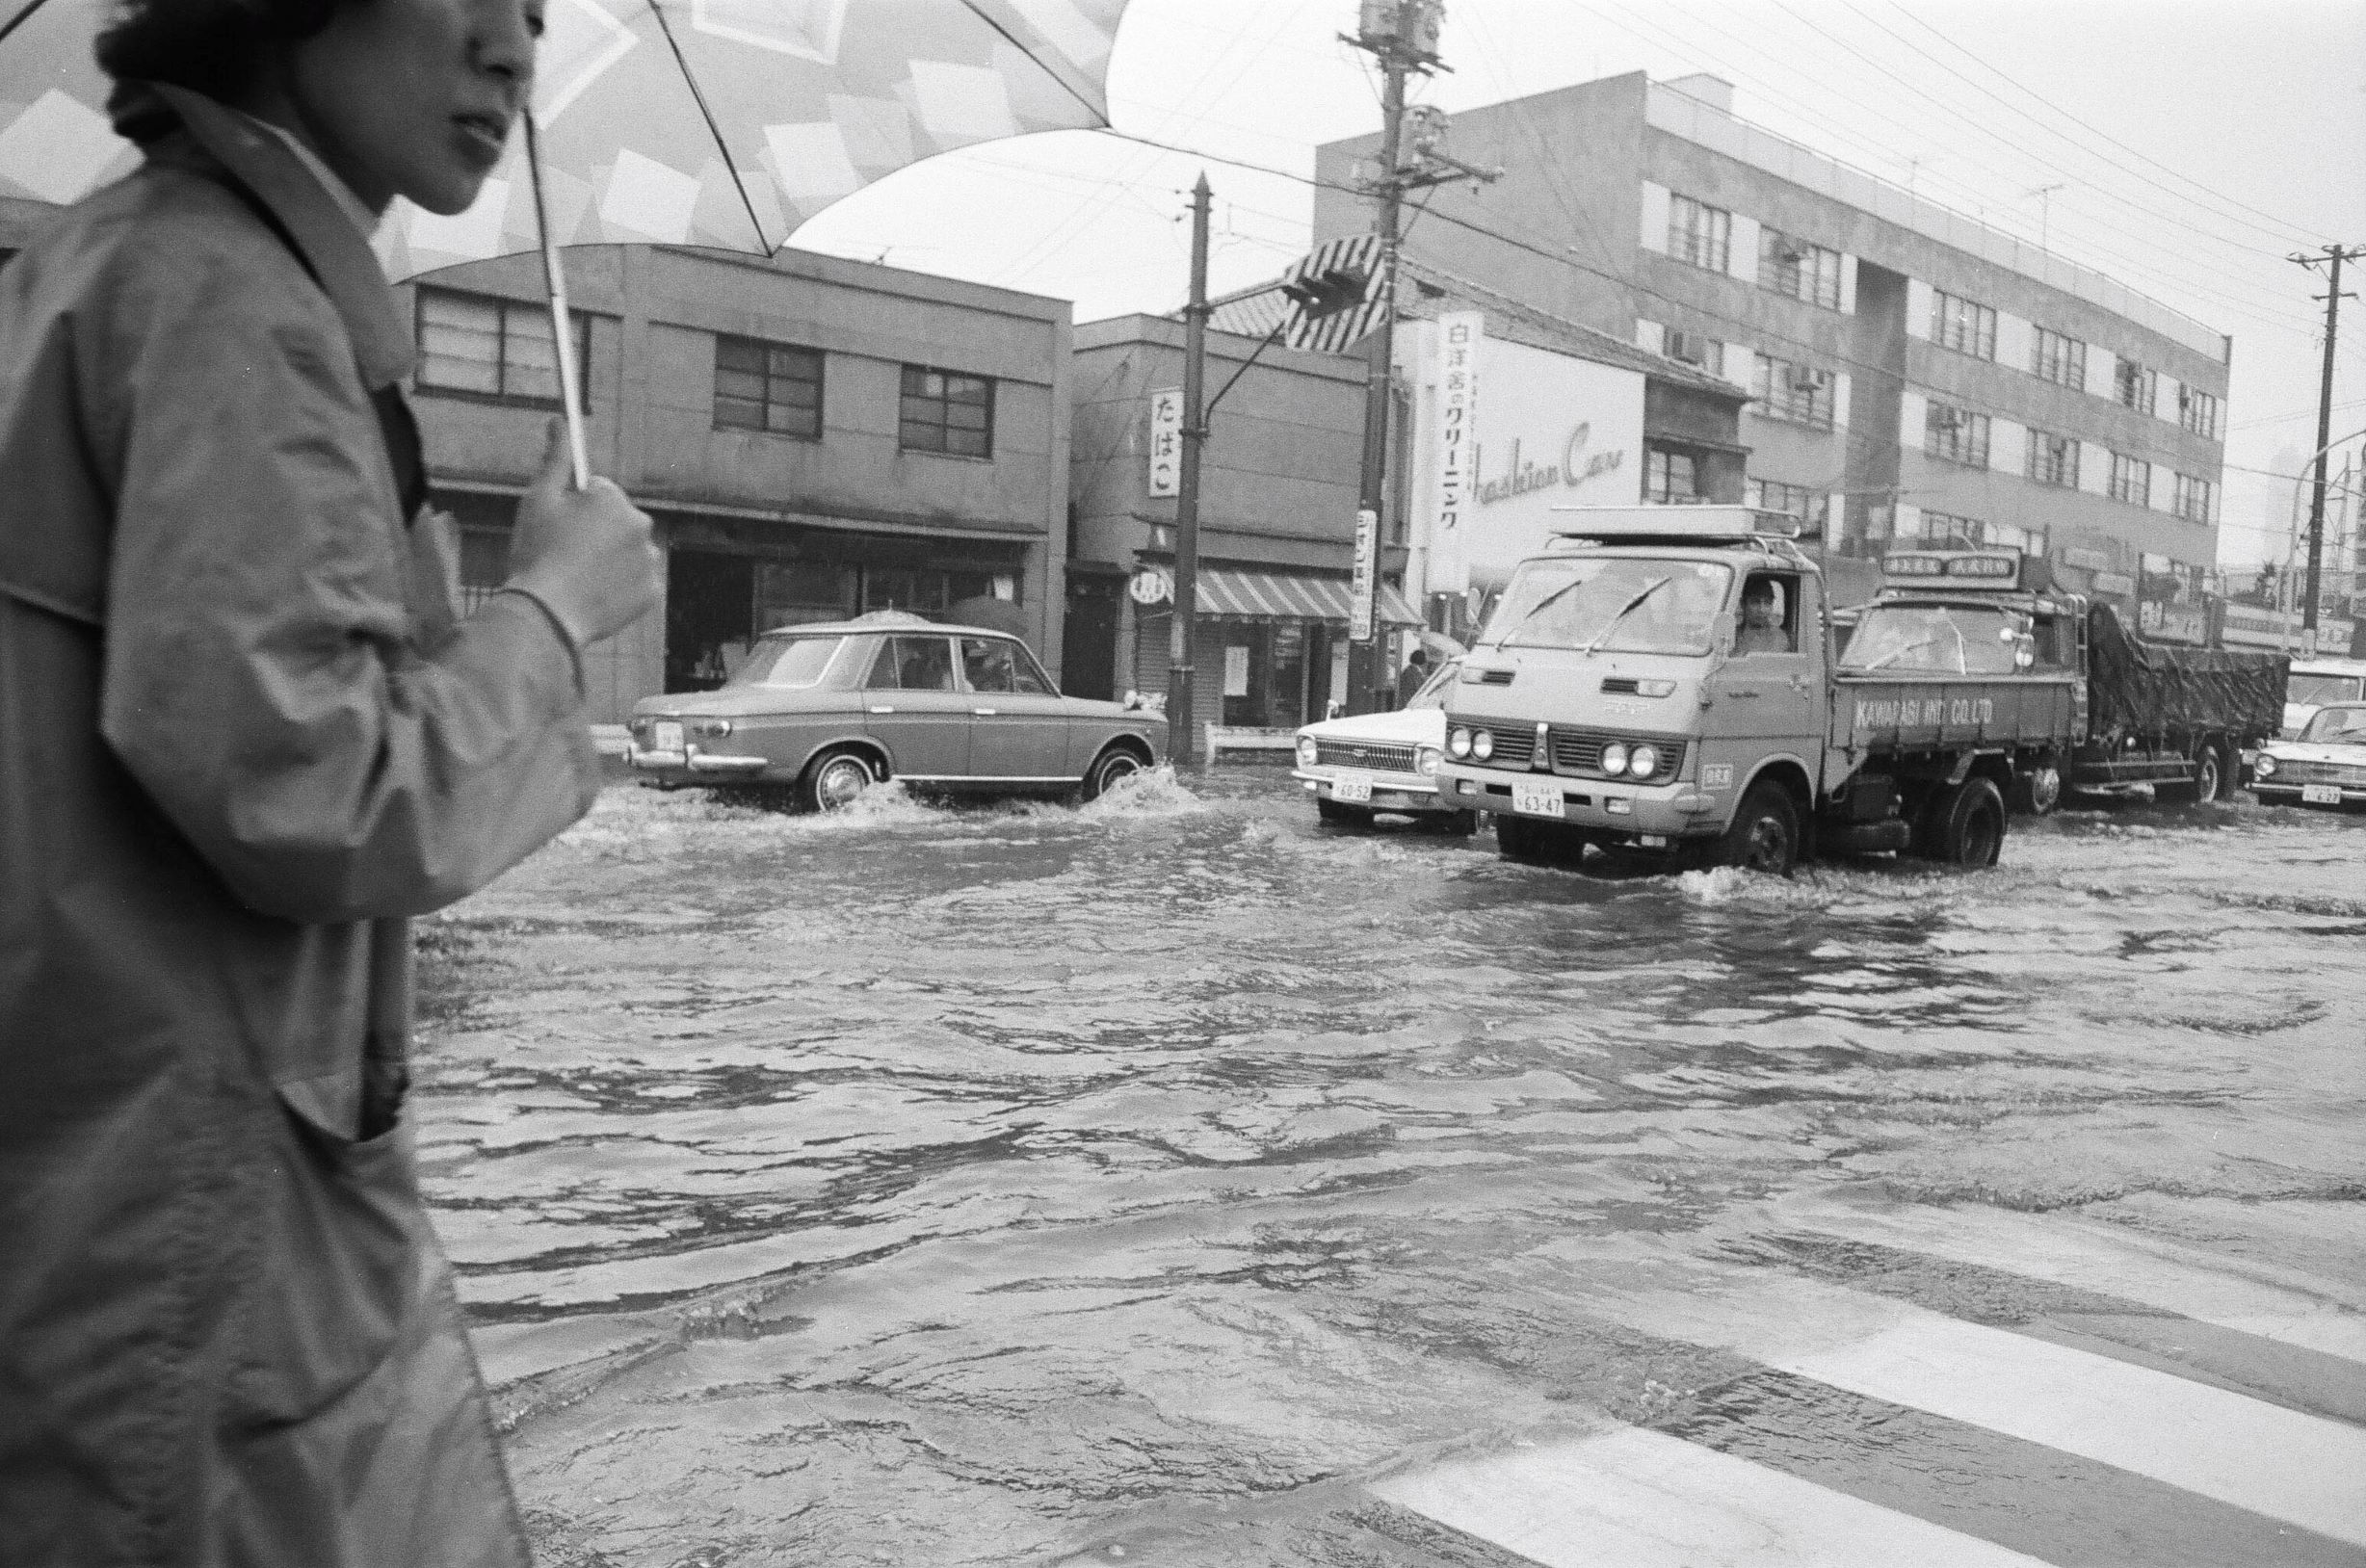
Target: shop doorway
{"points": [[1088, 643], [710, 618]]}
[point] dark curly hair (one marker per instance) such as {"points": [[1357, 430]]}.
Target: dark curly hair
{"points": [[214, 47]]}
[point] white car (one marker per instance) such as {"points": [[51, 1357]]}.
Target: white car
{"points": [[2316, 682], [1384, 761], [2323, 765]]}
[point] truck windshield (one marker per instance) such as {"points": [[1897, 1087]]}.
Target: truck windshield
{"points": [[1955, 639], [2321, 689], [1622, 604], [795, 661]]}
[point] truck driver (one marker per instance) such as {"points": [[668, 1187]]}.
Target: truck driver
{"points": [[1762, 620]]}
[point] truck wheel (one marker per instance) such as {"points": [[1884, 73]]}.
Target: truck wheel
{"points": [[1967, 825], [1331, 811], [2213, 779], [2037, 792], [1534, 842], [1765, 835]]}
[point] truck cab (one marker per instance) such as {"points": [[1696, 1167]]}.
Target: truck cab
{"points": [[1640, 677]]}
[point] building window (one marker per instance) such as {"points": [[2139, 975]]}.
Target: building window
{"points": [[767, 386], [1961, 326], [1810, 506], [2199, 411], [1793, 266], [2192, 498], [1800, 393], [1957, 434], [932, 591], [6, 255], [478, 346], [951, 414], [1693, 349], [2056, 357], [1699, 233], [2054, 460], [2131, 480], [2135, 386], [1670, 477]]}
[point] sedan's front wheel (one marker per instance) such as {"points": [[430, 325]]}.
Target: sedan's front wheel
{"points": [[835, 778]]}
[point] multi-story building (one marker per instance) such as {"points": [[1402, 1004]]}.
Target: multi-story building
{"points": [[1914, 374]]}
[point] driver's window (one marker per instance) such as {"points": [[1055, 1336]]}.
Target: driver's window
{"points": [[1769, 615], [913, 663], [988, 665]]}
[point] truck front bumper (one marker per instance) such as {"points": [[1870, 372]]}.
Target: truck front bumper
{"points": [[1664, 811]]}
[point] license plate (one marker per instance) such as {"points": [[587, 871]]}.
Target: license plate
{"points": [[1536, 799], [1350, 789], [2321, 794], [663, 737]]}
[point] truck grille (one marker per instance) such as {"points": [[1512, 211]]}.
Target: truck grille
{"points": [[1580, 751], [1514, 747], [1384, 759], [2317, 772]]}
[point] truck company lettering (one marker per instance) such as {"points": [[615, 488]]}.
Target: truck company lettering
{"points": [[1576, 469], [1911, 712]]}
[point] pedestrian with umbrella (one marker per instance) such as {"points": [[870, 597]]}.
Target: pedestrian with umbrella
{"points": [[243, 734]]}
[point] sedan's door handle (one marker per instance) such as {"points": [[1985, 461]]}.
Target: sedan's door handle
{"points": [[982, 713], [880, 710], [1741, 692]]}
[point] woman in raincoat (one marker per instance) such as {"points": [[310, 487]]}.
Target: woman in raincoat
{"points": [[242, 735]]}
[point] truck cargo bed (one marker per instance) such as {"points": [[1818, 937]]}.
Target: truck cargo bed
{"points": [[1876, 714]]}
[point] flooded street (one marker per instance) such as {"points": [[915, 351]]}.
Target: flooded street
{"points": [[1171, 1181]]}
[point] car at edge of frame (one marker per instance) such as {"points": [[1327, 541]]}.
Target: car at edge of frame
{"points": [[2324, 765]]}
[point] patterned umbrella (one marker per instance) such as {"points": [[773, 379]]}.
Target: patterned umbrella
{"points": [[722, 123]]}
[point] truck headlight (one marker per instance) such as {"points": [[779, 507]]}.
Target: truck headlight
{"points": [[1458, 743], [2265, 766], [1428, 759], [1654, 688], [1307, 751], [1644, 761], [1483, 746], [1614, 758]]}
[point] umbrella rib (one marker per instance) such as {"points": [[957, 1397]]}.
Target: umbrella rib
{"points": [[17, 20], [1009, 37], [698, 94]]}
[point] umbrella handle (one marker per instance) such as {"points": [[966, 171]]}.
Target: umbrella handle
{"points": [[554, 278]]}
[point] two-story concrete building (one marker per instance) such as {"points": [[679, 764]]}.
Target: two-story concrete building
{"points": [[1914, 374]]}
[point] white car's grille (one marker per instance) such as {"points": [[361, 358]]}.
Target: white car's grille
{"points": [[1375, 755]]}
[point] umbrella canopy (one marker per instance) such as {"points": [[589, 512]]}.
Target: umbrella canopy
{"points": [[720, 122]]}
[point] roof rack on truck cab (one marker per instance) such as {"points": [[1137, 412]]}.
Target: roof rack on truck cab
{"points": [[1677, 525]]}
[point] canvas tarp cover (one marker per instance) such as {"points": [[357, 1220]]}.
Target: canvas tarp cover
{"points": [[2140, 688]]}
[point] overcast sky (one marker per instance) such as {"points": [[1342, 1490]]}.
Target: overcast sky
{"points": [[2193, 144]]}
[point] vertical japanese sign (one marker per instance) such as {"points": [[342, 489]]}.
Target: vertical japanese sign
{"points": [[1367, 563], [1167, 441], [1458, 333]]}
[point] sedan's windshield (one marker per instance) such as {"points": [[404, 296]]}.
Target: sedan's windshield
{"points": [[2347, 726], [1437, 688], [1954, 639], [792, 662], [1622, 604]]}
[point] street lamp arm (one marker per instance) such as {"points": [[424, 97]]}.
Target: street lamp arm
{"points": [[1209, 413]]}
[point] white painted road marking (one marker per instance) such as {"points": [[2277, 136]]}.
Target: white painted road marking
{"points": [[1636, 1498]]}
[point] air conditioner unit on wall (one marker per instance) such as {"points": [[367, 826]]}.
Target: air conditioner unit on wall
{"points": [[1687, 347], [1806, 378]]}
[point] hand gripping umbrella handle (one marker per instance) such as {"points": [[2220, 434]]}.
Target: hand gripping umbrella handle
{"points": [[571, 373]]}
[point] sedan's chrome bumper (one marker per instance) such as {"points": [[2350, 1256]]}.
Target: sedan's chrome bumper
{"points": [[696, 761]]}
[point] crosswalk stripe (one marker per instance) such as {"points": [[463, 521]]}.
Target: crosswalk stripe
{"points": [[2302, 1469], [1638, 1498], [2094, 1257]]}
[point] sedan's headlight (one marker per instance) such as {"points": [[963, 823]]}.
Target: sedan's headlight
{"points": [[1483, 746], [2265, 766], [1427, 760], [1614, 758], [1458, 743], [1307, 751], [1654, 688], [1644, 761]]}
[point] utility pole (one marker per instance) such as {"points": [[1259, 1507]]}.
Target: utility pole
{"points": [[2335, 256], [1179, 738]]}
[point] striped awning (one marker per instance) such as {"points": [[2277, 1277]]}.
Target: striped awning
{"points": [[1247, 595]]}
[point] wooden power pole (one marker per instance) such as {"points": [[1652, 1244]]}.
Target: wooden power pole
{"points": [[2335, 256], [1180, 748]]}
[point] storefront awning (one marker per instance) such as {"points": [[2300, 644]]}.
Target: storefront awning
{"points": [[1248, 596]]}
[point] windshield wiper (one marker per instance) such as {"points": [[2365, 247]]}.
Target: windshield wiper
{"points": [[1627, 609], [1539, 607], [1896, 654]]}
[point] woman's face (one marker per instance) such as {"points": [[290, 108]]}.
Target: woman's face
{"points": [[414, 97]]}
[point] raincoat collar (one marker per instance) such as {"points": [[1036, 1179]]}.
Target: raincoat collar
{"points": [[334, 251]]}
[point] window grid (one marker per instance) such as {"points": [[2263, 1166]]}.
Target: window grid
{"points": [[2135, 386], [1798, 268], [2054, 460], [1670, 477], [1957, 434], [476, 345], [1960, 325], [1693, 349], [2055, 357], [1810, 507], [947, 414], [1798, 393], [2131, 480], [767, 386], [1699, 233], [2199, 411], [2190, 498]]}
